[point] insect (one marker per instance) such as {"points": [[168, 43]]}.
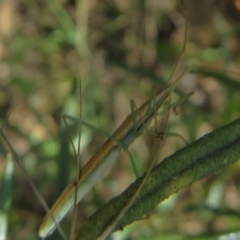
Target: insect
{"points": [[105, 156], [108, 153]]}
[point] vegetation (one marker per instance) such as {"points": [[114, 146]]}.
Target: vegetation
{"points": [[119, 50]]}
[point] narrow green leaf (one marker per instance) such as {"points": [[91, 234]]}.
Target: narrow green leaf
{"points": [[5, 196], [213, 152], [220, 76]]}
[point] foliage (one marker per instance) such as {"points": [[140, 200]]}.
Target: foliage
{"points": [[118, 49]]}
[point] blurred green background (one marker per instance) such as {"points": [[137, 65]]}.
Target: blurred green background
{"points": [[119, 50]]}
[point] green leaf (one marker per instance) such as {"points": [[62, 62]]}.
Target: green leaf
{"points": [[220, 76], [5, 196], [211, 153]]}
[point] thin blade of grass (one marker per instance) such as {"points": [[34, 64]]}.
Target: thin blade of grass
{"points": [[219, 75], [5, 196]]}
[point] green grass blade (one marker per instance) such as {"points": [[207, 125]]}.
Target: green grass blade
{"points": [[219, 75], [5, 196]]}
